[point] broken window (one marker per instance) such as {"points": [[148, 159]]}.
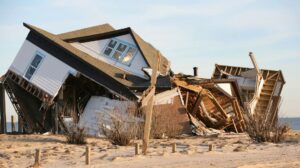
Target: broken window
{"points": [[33, 66], [120, 51]]}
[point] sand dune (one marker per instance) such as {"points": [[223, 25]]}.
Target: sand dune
{"points": [[230, 150]]}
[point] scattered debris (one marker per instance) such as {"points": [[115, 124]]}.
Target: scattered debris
{"points": [[103, 75]]}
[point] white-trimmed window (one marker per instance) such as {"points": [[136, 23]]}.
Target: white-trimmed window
{"points": [[33, 65], [120, 51]]}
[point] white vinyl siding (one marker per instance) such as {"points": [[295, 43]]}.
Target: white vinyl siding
{"points": [[51, 72]]}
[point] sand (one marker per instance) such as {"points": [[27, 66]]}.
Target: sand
{"points": [[229, 150]]}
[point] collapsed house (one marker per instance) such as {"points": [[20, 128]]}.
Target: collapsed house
{"points": [[260, 88], [54, 76], [98, 74], [232, 94]]}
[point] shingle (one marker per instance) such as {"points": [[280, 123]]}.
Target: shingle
{"points": [[104, 28]]}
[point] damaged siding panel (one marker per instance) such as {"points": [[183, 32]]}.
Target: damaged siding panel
{"points": [[50, 74], [96, 49]]}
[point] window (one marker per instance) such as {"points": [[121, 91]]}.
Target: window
{"points": [[120, 51], [33, 66]]}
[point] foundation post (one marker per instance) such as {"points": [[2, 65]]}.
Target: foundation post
{"points": [[20, 125], [2, 110], [13, 128], [174, 148], [37, 158], [87, 155], [210, 147], [137, 148]]}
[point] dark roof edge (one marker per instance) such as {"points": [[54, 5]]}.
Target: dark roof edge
{"points": [[131, 95]]}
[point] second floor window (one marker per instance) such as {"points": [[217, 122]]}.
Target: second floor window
{"points": [[33, 66], [120, 51]]}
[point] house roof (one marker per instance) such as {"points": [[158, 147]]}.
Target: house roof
{"points": [[104, 28], [107, 31], [131, 81], [105, 68]]}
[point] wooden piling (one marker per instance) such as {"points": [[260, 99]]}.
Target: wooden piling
{"points": [[137, 146], [2, 110], [210, 147], [174, 148], [37, 158], [13, 129], [87, 155], [20, 125]]}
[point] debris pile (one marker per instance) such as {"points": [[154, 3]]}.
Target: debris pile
{"points": [[216, 103]]}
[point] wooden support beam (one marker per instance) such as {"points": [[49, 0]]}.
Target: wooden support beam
{"points": [[2, 109], [216, 103], [252, 57], [197, 103], [147, 98], [236, 130], [13, 128], [20, 124], [186, 99], [55, 118], [203, 109], [240, 115], [149, 108], [273, 75], [230, 70]]}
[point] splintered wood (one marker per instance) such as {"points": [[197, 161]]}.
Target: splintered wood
{"points": [[210, 106]]}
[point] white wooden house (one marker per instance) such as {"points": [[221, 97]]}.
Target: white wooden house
{"points": [[94, 61]]}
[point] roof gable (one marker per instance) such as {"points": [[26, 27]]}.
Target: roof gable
{"points": [[106, 31]]}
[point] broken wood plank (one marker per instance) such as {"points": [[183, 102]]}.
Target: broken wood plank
{"points": [[252, 57], [236, 130], [146, 99], [216, 103], [185, 85], [149, 107], [186, 99], [197, 103]]}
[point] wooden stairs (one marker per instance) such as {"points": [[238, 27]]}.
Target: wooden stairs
{"points": [[15, 104], [265, 96]]}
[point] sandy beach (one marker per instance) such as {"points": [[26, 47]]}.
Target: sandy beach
{"points": [[229, 150]]}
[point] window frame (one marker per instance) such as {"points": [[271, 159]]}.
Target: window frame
{"points": [[35, 68], [128, 45]]}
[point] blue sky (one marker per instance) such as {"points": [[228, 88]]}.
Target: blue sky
{"points": [[193, 33]]}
